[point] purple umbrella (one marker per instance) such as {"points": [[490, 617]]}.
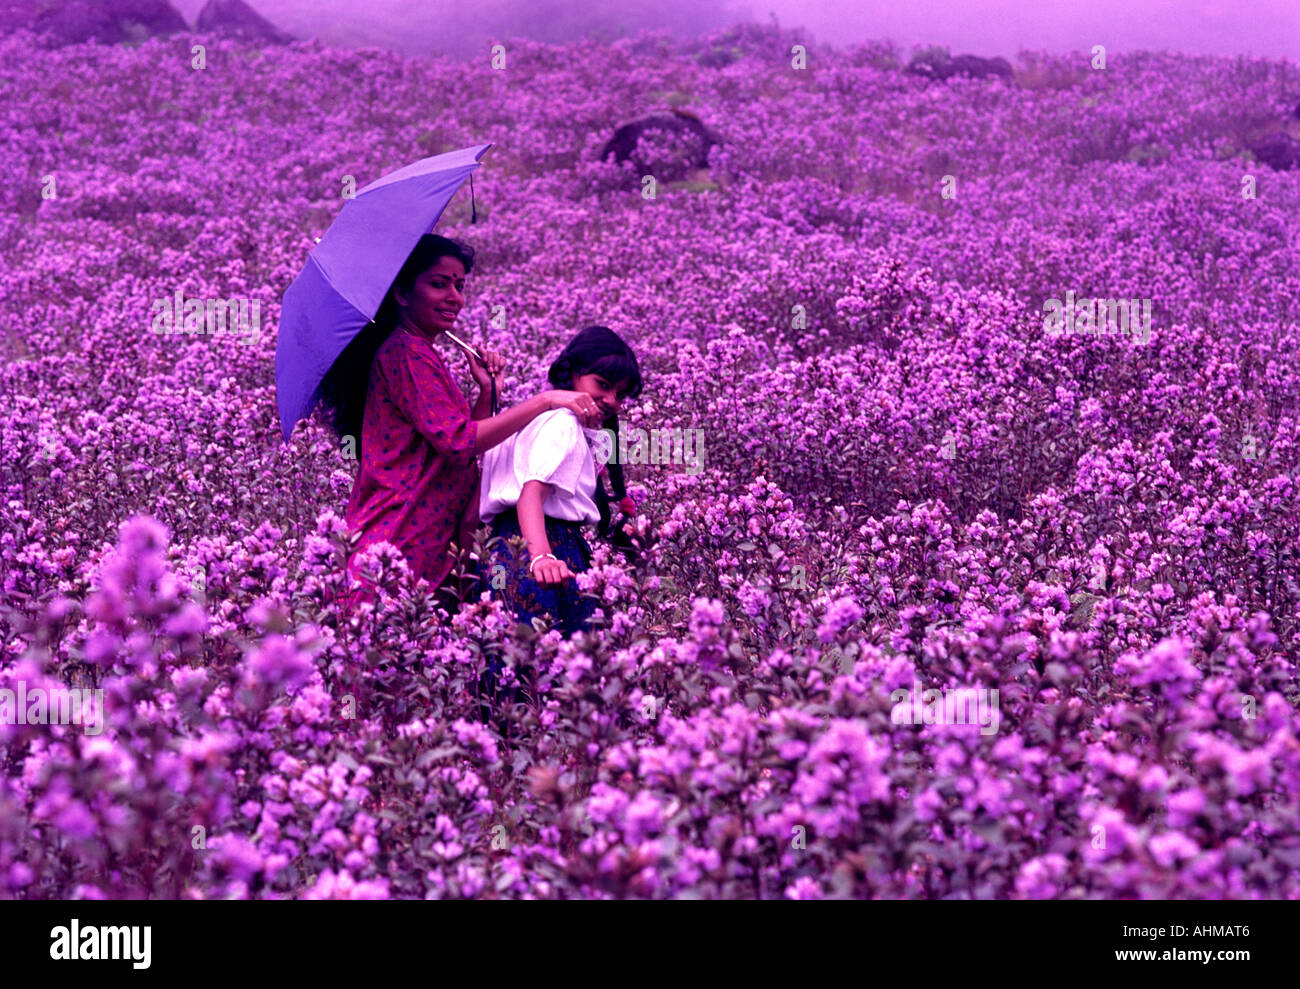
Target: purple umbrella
{"points": [[350, 270]]}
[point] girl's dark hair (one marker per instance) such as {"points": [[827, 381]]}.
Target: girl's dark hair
{"points": [[599, 350], [343, 390]]}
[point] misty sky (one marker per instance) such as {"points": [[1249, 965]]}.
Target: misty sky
{"points": [[1269, 28]]}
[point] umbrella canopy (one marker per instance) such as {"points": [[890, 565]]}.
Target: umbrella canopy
{"points": [[349, 272]]}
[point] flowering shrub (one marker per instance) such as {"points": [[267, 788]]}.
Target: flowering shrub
{"points": [[906, 482]]}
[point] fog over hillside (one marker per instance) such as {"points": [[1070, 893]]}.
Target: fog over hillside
{"points": [[462, 30], [1269, 28]]}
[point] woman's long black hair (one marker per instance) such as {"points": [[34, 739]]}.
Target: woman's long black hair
{"points": [[599, 350], [343, 390]]}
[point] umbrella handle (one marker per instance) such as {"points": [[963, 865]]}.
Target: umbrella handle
{"points": [[464, 346], [494, 394]]}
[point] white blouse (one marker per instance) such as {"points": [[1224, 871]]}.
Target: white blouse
{"points": [[554, 448]]}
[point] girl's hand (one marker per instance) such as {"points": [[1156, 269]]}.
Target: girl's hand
{"points": [[549, 572], [482, 372]]}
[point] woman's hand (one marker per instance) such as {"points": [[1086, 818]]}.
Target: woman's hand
{"points": [[549, 572], [482, 371], [579, 402]]}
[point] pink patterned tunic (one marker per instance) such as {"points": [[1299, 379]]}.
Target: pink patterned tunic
{"points": [[418, 474]]}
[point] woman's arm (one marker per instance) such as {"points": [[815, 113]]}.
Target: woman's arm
{"points": [[504, 424], [494, 429], [423, 391]]}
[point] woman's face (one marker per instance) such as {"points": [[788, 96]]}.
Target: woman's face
{"points": [[609, 395], [436, 298]]}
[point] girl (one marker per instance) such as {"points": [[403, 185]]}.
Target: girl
{"points": [[542, 485], [392, 394]]}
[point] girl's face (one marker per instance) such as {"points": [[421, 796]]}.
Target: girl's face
{"points": [[609, 395], [436, 298]]}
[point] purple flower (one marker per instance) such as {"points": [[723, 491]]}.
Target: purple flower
{"points": [[1171, 847], [477, 736], [644, 818], [1164, 666], [803, 888], [841, 614], [236, 856], [1184, 807], [277, 662], [1039, 878], [342, 886], [20, 875], [606, 803], [129, 579], [76, 821], [706, 615]]}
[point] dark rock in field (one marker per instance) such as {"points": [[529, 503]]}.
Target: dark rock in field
{"points": [[623, 145], [106, 21], [981, 68], [932, 64], [237, 17], [1279, 151], [940, 65]]}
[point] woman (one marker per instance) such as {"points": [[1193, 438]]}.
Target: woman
{"points": [[416, 436]]}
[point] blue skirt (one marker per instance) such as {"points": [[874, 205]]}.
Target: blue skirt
{"points": [[505, 575]]}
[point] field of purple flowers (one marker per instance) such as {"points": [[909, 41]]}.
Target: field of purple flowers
{"points": [[909, 481]]}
